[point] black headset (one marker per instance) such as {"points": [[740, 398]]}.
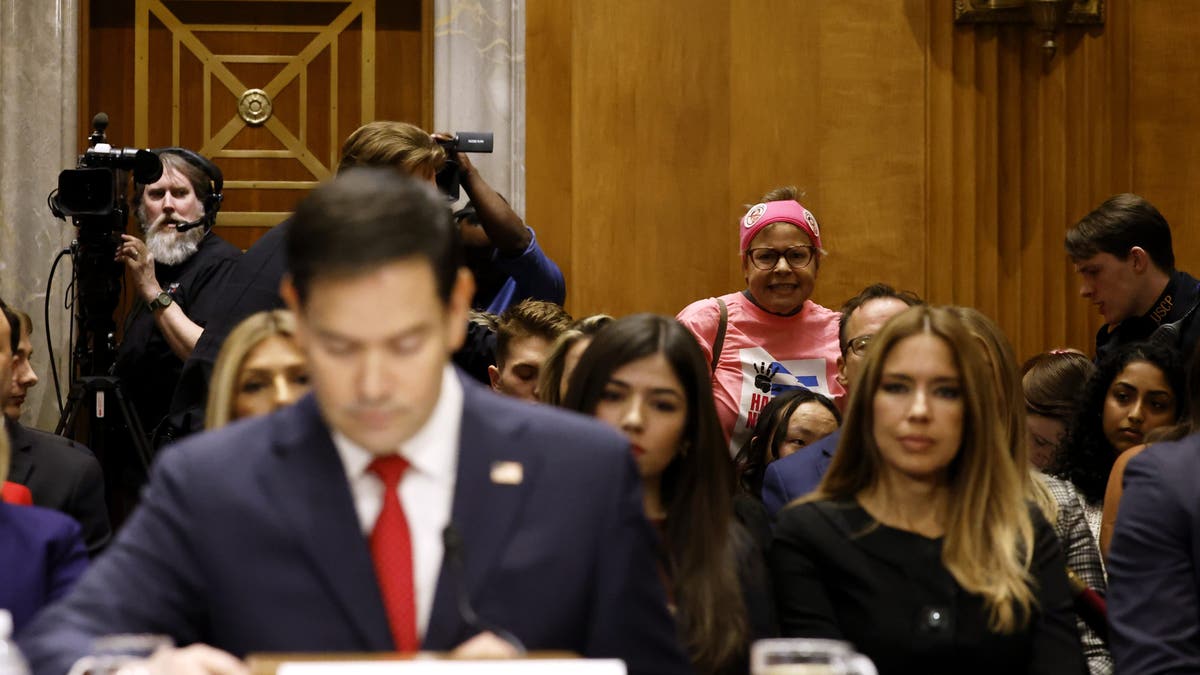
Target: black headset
{"points": [[212, 203]]}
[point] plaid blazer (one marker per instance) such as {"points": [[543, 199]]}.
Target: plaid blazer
{"points": [[1083, 557]]}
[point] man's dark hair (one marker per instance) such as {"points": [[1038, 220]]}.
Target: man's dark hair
{"points": [[1116, 226], [366, 218], [14, 327], [872, 292]]}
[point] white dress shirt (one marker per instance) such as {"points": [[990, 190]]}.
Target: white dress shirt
{"points": [[426, 490]]}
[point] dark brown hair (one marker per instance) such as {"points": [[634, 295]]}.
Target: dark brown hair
{"points": [[1116, 226], [697, 485]]}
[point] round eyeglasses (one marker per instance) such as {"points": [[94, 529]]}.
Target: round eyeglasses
{"points": [[796, 256]]}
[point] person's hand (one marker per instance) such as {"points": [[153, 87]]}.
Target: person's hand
{"points": [[485, 645], [195, 659], [140, 263], [464, 162]]}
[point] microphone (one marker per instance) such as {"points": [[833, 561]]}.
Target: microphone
{"points": [[184, 227], [452, 543]]}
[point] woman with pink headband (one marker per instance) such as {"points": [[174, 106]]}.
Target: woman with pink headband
{"points": [[769, 337]]}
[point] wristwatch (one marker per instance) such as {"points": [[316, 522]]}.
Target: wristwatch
{"points": [[163, 301]]}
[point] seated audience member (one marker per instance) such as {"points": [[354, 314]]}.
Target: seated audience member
{"points": [[645, 376], [770, 337], [564, 354], [1051, 382], [1135, 390], [259, 370], [59, 473], [861, 318], [791, 421], [1056, 498], [352, 520], [1122, 251], [919, 546], [41, 551], [1186, 426], [1153, 562], [524, 334], [501, 250]]}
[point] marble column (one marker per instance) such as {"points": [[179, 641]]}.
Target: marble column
{"points": [[479, 84], [39, 47]]}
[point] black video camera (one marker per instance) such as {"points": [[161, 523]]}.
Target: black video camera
{"points": [[94, 187], [92, 195], [463, 141]]}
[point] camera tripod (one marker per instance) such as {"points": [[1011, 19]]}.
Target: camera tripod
{"points": [[94, 391]]}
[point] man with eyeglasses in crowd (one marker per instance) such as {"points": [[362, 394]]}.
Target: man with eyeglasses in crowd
{"points": [[862, 317], [769, 337]]}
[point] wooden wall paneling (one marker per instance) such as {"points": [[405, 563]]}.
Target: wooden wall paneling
{"points": [[775, 127], [1009, 286], [822, 97], [981, 273], [549, 115], [941, 84], [650, 137], [1165, 106], [1035, 272], [193, 50]]}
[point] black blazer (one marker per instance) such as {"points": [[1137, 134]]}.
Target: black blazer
{"points": [[62, 475], [838, 574]]}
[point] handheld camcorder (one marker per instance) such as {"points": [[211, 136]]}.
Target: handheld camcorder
{"points": [[448, 178]]}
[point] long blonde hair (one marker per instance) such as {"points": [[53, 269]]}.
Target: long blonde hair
{"points": [[1003, 361], [988, 543], [222, 388]]}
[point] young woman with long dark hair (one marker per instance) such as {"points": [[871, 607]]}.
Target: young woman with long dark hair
{"points": [[646, 376]]}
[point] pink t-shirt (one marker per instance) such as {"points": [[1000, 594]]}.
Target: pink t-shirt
{"points": [[763, 355]]}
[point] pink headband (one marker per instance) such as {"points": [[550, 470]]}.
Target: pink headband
{"points": [[785, 211]]}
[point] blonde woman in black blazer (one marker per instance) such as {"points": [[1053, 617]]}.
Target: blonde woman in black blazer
{"points": [[919, 546]]}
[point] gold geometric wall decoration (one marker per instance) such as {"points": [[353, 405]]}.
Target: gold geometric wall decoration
{"points": [[198, 39]]}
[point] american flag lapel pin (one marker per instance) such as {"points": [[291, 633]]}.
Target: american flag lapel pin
{"points": [[507, 473]]}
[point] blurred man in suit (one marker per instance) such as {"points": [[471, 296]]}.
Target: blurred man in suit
{"points": [[60, 473], [1154, 563], [367, 516]]}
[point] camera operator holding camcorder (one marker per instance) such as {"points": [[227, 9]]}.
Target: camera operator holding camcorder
{"points": [[176, 269], [501, 250]]}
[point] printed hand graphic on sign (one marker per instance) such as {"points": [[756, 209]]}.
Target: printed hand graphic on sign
{"points": [[764, 375]]}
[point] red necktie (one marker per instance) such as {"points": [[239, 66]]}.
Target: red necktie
{"points": [[391, 548]]}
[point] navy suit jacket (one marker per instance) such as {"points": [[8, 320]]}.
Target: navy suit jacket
{"points": [[61, 475], [247, 539], [41, 557], [1154, 563], [797, 474]]}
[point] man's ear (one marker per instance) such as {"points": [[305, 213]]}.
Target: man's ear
{"points": [[841, 374], [494, 376], [291, 299], [458, 307], [287, 291], [1140, 258]]}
